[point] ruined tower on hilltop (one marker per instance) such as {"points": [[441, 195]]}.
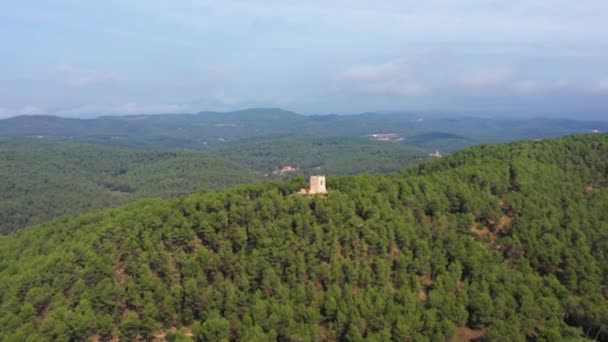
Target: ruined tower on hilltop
{"points": [[317, 185]]}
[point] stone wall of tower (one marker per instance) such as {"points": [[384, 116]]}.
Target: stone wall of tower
{"points": [[317, 185]]}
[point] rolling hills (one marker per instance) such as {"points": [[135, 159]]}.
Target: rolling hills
{"points": [[206, 129], [493, 242], [319, 154], [45, 178]]}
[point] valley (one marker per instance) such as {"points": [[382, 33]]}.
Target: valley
{"points": [[53, 166]]}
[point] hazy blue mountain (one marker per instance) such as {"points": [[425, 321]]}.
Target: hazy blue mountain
{"points": [[204, 129]]}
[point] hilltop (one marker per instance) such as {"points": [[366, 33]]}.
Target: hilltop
{"points": [[494, 242]]}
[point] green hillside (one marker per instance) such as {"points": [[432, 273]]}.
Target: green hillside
{"points": [[42, 179], [193, 131], [46, 178], [317, 154], [505, 242]]}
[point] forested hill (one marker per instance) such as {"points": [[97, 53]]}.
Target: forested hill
{"points": [[506, 242], [320, 155], [46, 178]]}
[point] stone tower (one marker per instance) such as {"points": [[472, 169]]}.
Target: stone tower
{"points": [[317, 185]]}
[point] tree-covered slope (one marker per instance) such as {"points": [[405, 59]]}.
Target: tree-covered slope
{"points": [[191, 131], [508, 242], [317, 154], [42, 179]]}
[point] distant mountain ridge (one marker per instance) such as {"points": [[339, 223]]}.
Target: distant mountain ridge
{"points": [[198, 131]]}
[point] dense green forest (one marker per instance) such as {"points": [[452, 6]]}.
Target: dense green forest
{"points": [[43, 179], [325, 155], [505, 242]]}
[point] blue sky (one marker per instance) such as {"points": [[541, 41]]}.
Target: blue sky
{"points": [[515, 57]]}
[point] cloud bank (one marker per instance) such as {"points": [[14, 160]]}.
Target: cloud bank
{"points": [[313, 57]]}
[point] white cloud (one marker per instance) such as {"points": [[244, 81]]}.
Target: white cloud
{"points": [[487, 77], [127, 108], [527, 86], [402, 89], [507, 81], [135, 108], [226, 100], [397, 78], [392, 78], [31, 110], [531, 87], [79, 77], [378, 72], [601, 87], [294, 49], [473, 20], [27, 109]]}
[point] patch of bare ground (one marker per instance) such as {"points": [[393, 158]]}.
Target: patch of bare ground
{"points": [[494, 230], [119, 273], [125, 314], [175, 276], [508, 217], [394, 252], [422, 295], [426, 281], [44, 312], [480, 231], [505, 220], [338, 252], [318, 286], [97, 338], [197, 242], [459, 287], [467, 334], [160, 335], [483, 232], [322, 334]]}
